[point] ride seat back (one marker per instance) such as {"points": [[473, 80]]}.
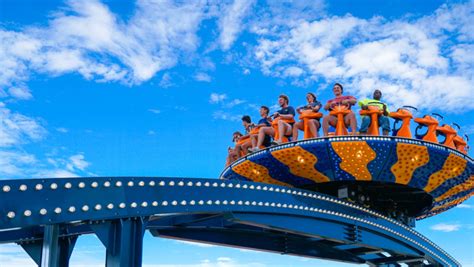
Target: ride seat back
{"points": [[340, 111], [373, 112], [405, 116], [306, 116], [432, 124], [460, 144], [449, 133]]}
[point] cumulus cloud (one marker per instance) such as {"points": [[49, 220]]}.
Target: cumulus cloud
{"points": [[413, 61], [88, 38], [22, 93], [230, 23], [16, 128], [77, 162]]}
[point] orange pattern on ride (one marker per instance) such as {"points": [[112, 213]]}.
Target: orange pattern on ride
{"points": [[466, 186], [410, 157], [452, 203], [453, 166], [355, 156], [256, 173], [301, 163]]}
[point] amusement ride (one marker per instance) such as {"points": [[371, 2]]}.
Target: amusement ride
{"points": [[343, 197]]}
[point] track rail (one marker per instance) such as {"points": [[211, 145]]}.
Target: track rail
{"points": [[46, 216]]}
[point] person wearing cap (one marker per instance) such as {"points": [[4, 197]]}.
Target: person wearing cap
{"points": [[286, 112], [383, 119], [340, 99], [314, 124]]}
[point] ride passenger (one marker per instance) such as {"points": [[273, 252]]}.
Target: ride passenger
{"points": [[383, 119], [248, 126], [284, 129], [348, 101], [232, 155], [265, 121], [286, 112], [314, 125]]}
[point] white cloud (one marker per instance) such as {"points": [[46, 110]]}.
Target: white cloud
{"points": [[230, 23], [20, 93], [17, 129], [12, 163], [234, 103], [464, 206], [166, 80], [293, 71], [222, 115], [62, 130], [155, 111], [88, 38], [202, 77], [216, 98], [413, 61], [198, 244], [78, 162], [445, 227]]}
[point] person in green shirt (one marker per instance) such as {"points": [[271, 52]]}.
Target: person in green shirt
{"points": [[383, 119]]}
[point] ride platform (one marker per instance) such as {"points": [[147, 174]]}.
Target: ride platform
{"points": [[401, 177]]}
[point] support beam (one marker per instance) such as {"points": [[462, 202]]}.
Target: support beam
{"points": [[50, 249], [123, 240], [66, 246], [33, 249]]}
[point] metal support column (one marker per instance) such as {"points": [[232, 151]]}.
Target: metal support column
{"points": [[66, 246], [50, 250], [123, 239]]}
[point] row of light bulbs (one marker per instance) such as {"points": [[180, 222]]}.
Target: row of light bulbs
{"points": [[95, 184]]}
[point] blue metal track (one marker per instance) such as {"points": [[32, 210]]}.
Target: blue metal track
{"points": [[46, 216]]}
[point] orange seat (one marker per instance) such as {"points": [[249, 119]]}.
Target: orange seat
{"points": [[307, 115], [340, 111], [275, 128], [403, 115], [461, 144], [449, 133], [432, 125], [374, 112]]}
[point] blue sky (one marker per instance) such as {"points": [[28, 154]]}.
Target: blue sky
{"points": [[91, 88]]}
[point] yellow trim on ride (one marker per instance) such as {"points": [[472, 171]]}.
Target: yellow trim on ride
{"points": [[301, 163], [256, 173], [355, 156], [410, 158], [453, 166]]}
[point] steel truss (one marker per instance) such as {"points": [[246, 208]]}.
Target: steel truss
{"points": [[47, 216]]}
